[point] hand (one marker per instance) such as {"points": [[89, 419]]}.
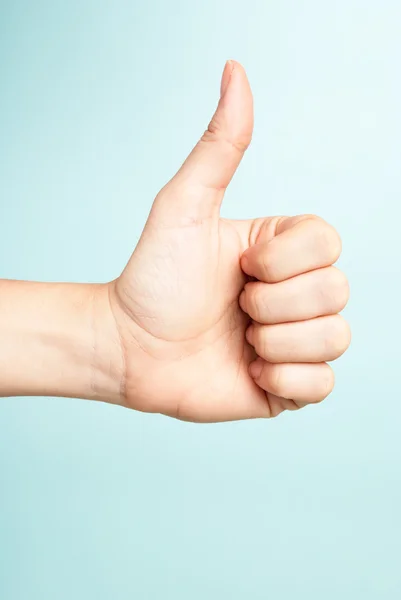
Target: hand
{"points": [[203, 297]]}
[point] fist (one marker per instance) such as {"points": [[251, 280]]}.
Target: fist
{"points": [[292, 300]]}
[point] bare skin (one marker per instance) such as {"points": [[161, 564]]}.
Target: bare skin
{"points": [[211, 320]]}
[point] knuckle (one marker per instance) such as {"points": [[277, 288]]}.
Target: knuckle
{"points": [[336, 289], [258, 301], [274, 379], [327, 237], [340, 337], [266, 262], [326, 384], [215, 132], [331, 241], [265, 346]]}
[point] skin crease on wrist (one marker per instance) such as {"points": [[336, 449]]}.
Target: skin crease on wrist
{"points": [[211, 319]]}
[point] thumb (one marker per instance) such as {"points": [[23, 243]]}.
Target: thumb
{"points": [[209, 168]]}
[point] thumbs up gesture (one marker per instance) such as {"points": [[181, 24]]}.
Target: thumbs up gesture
{"points": [[221, 320]]}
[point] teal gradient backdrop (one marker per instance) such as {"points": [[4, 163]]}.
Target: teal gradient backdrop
{"points": [[100, 102]]}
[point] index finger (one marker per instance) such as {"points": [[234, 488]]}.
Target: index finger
{"points": [[301, 244]]}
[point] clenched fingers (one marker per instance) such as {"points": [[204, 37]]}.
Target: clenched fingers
{"points": [[313, 341], [317, 293]]}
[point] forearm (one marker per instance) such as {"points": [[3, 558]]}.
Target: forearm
{"points": [[58, 339]]}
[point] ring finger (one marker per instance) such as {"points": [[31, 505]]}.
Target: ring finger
{"points": [[317, 340]]}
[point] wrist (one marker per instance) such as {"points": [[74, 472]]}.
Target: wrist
{"points": [[59, 340], [107, 352]]}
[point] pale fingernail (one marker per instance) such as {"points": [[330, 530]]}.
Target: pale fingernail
{"points": [[226, 78], [245, 264], [255, 368], [250, 334]]}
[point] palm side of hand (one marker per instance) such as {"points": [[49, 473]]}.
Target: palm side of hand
{"points": [[181, 292]]}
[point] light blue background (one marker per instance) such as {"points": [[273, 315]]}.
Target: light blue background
{"points": [[99, 104]]}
